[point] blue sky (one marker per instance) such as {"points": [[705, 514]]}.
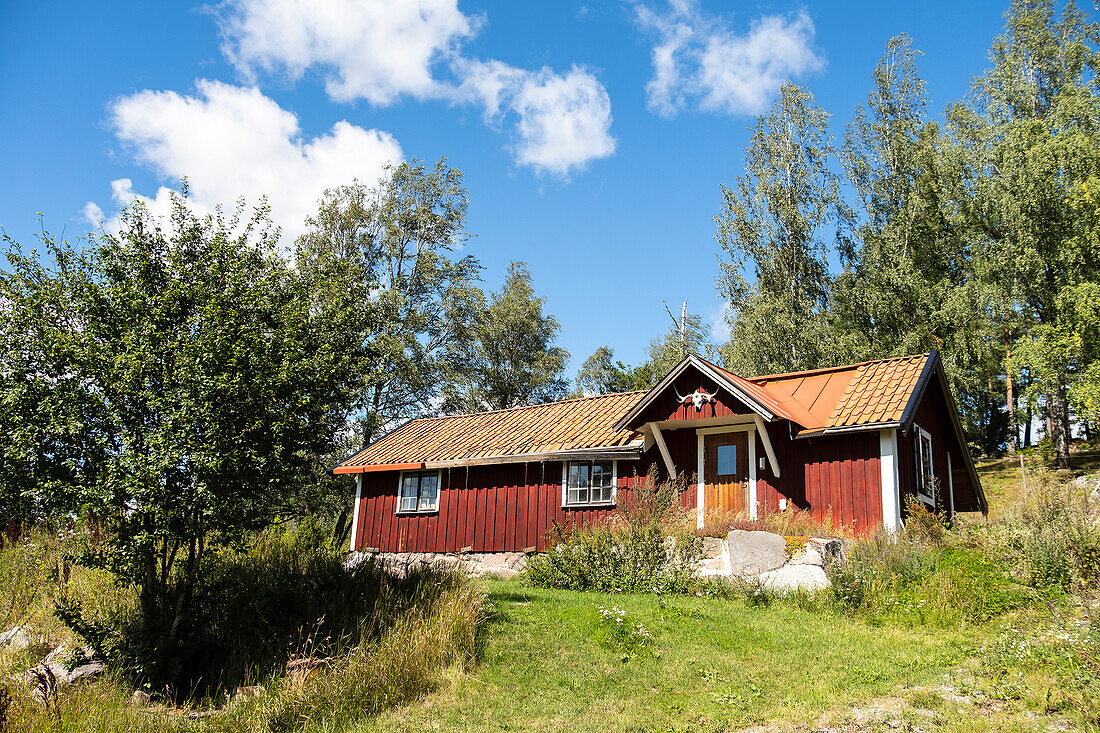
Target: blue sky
{"points": [[594, 137]]}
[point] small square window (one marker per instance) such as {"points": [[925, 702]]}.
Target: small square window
{"points": [[419, 492], [589, 483], [727, 460]]}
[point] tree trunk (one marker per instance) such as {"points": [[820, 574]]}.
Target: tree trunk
{"points": [[1058, 418], [1010, 396], [1027, 426]]}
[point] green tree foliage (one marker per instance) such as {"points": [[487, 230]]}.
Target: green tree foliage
{"points": [[509, 358], [773, 224], [190, 379], [909, 283], [602, 373], [1032, 132], [397, 239]]}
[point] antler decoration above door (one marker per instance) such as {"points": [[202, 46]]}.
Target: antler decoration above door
{"points": [[697, 397]]}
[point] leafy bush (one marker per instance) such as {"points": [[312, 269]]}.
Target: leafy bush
{"points": [[647, 546], [286, 593]]}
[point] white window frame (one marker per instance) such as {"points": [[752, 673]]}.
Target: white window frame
{"points": [[565, 486], [438, 492], [918, 447]]}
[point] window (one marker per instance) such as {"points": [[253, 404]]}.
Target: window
{"points": [[589, 483], [727, 460], [419, 492], [922, 452]]}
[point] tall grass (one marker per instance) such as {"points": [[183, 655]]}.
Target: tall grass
{"points": [[282, 595]]}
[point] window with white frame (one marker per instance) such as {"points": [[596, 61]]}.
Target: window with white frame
{"points": [[589, 482], [922, 452], [419, 492]]}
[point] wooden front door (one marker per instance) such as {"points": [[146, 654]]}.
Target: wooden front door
{"points": [[726, 472]]}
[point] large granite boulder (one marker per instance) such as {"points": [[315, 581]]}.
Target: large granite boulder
{"points": [[752, 553], [793, 578]]}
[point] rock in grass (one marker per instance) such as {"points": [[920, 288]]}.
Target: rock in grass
{"points": [[141, 698], [753, 552], [793, 578], [15, 640]]}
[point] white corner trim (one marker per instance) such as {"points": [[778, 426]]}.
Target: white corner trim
{"points": [[888, 466], [753, 511], [701, 497], [660, 440], [767, 441], [355, 510]]}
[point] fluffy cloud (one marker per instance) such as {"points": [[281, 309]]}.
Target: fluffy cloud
{"points": [[563, 121], [376, 50], [381, 50], [233, 141], [699, 62]]}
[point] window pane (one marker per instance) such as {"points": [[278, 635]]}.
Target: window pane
{"points": [[602, 495], [601, 474], [578, 475], [429, 491], [408, 492], [926, 465], [574, 496], [582, 495], [727, 460]]}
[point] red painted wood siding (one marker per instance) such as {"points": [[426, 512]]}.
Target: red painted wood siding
{"points": [[667, 407], [499, 508], [515, 506]]}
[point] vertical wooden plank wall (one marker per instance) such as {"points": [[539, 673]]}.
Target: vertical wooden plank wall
{"points": [[497, 508]]}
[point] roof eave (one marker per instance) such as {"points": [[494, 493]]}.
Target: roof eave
{"points": [[847, 429], [629, 450]]}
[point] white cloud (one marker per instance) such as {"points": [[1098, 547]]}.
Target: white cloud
{"points": [[700, 62], [719, 318], [381, 50], [233, 141], [376, 50], [563, 121]]}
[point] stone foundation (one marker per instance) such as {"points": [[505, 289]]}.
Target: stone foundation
{"points": [[503, 565]]}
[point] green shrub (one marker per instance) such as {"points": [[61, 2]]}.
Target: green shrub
{"points": [[647, 546], [285, 593]]}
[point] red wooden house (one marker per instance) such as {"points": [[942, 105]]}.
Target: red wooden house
{"points": [[847, 442]]}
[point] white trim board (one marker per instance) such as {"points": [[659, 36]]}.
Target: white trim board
{"points": [[355, 511], [888, 468]]}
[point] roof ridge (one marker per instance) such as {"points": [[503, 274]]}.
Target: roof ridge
{"points": [[840, 367], [526, 407]]}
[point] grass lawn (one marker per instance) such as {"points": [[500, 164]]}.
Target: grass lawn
{"points": [[711, 664]]}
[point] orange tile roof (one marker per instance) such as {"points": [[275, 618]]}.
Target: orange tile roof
{"points": [[859, 394], [869, 393], [555, 426]]}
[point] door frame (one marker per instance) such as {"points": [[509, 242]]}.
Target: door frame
{"points": [[700, 434]]}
